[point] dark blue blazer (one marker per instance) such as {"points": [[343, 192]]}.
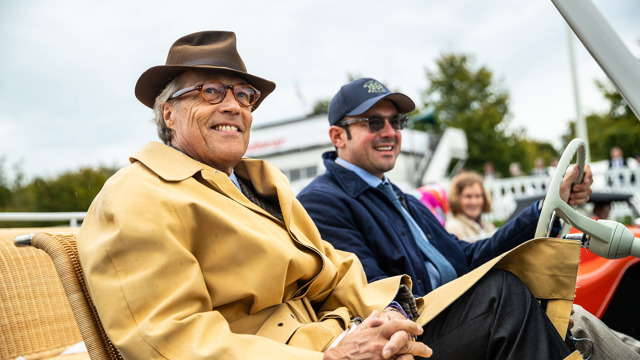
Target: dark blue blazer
{"points": [[360, 219]]}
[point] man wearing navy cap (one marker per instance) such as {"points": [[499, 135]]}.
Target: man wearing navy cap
{"points": [[357, 208], [392, 233], [354, 210]]}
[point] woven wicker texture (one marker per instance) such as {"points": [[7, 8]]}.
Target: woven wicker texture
{"points": [[36, 320], [61, 247]]}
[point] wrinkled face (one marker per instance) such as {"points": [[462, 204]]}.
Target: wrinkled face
{"points": [[217, 135], [472, 201], [373, 152]]}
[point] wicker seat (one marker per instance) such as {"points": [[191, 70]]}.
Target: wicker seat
{"points": [[61, 248], [36, 319]]}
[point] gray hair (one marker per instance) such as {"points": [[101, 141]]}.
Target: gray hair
{"points": [[164, 133]]}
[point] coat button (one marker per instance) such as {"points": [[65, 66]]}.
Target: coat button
{"points": [[280, 324], [429, 236]]}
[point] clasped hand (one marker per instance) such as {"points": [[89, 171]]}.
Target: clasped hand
{"points": [[381, 336]]}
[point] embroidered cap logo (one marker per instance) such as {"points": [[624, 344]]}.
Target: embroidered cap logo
{"points": [[374, 86]]}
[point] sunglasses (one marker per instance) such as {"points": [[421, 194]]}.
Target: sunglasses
{"points": [[214, 92], [377, 122]]}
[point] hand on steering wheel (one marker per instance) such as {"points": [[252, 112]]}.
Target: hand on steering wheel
{"points": [[605, 238], [553, 204]]}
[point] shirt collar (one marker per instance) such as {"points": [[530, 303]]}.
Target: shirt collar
{"points": [[369, 178], [234, 179]]}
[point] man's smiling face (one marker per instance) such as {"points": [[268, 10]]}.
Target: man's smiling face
{"points": [[375, 152], [217, 135]]}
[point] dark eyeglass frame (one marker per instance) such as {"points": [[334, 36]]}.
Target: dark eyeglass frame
{"points": [[202, 87], [398, 122]]}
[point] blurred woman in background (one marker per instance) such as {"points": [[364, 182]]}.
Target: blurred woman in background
{"points": [[467, 202]]}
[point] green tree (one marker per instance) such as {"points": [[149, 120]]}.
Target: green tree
{"points": [[5, 192], [320, 107], [69, 191], [543, 150], [618, 126], [467, 98]]}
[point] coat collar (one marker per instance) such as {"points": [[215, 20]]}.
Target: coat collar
{"points": [[349, 181], [168, 163], [172, 165]]}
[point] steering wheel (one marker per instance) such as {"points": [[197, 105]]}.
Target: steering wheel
{"points": [[553, 205]]}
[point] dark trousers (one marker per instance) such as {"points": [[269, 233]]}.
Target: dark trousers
{"points": [[498, 318]]}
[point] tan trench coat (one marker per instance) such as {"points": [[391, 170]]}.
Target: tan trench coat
{"points": [[182, 266]]}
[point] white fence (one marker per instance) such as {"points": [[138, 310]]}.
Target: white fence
{"points": [[72, 217], [505, 191]]}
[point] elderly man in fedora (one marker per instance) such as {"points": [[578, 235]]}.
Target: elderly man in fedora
{"points": [[194, 252]]}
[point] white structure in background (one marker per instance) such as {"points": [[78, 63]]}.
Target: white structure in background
{"points": [[452, 147], [295, 147], [505, 191]]}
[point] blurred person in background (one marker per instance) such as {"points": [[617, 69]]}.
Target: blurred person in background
{"points": [[468, 200], [538, 168], [488, 171], [617, 162], [515, 169], [617, 159]]}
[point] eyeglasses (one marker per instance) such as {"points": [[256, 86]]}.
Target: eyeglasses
{"points": [[214, 92], [377, 122]]}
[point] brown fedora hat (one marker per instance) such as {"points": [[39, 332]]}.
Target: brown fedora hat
{"points": [[214, 50]]}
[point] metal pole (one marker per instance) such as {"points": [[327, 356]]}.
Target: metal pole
{"points": [[581, 124]]}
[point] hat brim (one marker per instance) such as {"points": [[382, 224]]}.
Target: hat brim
{"points": [[403, 104], [153, 81]]}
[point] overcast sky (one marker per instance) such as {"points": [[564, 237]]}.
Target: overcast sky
{"points": [[68, 67]]}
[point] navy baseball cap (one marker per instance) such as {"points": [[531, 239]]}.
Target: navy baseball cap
{"points": [[360, 95]]}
